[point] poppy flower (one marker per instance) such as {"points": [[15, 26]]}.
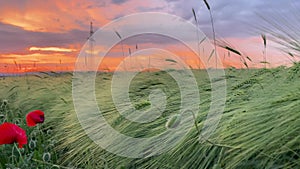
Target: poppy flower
{"points": [[35, 117], [11, 133]]}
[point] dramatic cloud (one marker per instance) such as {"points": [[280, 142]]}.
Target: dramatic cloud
{"points": [[54, 30]]}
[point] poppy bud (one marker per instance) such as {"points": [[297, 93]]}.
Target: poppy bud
{"points": [[4, 102], [46, 157], [173, 121], [32, 144]]}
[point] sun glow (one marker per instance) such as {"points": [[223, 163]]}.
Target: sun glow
{"points": [[52, 49]]}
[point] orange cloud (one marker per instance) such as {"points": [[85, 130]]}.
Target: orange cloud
{"points": [[65, 15], [37, 57]]}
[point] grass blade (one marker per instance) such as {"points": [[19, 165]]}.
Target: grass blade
{"points": [[171, 60], [232, 50]]}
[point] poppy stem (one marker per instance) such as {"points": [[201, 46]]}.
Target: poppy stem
{"points": [[41, 134], [195, 120], [53, 165], [15, 145], [12, 155]]}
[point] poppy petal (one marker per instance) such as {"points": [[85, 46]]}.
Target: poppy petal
{"points": [[7, 135], [34, 117], [10, 133], [30, 122], [21, 137]]}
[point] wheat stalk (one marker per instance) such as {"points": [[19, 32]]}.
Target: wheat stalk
{"points": [[118, 34], [263, 36], [198, 43], [213, 29], [225, 45]]}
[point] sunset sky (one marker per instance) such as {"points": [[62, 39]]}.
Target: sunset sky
{"points": [[48, 35]]}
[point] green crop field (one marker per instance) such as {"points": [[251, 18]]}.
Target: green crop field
{"points": [[260, 126]]}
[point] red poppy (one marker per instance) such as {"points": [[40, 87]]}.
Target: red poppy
{"points": [[11, 133], [35, 117]]}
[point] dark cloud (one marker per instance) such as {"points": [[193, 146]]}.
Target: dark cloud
{"points": [[233, 18], [15, 39], [151, 9], [118, 1], [97, 5], [149, 38]]}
